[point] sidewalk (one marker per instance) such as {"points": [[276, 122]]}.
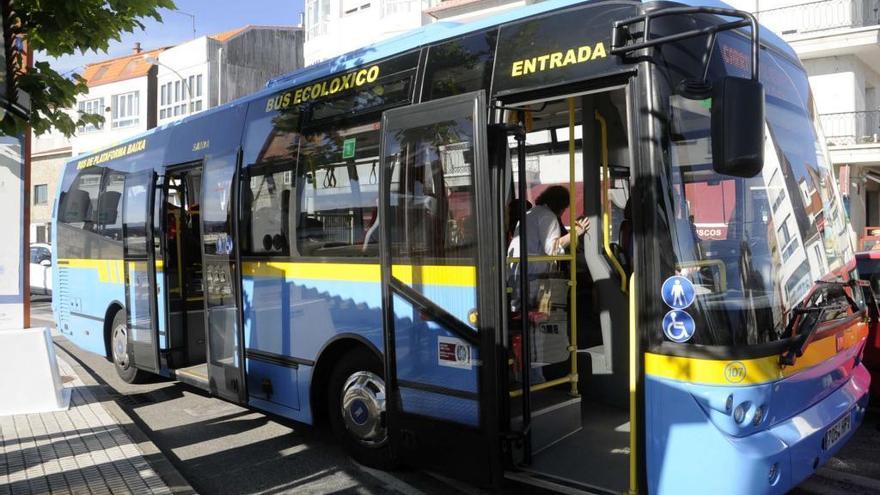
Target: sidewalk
{"points": [[81, 450]]}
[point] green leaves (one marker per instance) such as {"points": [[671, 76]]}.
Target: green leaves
{"points": [[65, 27]]}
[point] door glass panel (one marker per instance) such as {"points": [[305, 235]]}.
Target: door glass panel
{"points": [[135, 216], [220, 273], [430, 179], [432, 189], [139, 275]]}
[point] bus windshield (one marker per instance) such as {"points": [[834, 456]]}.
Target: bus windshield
{"points": [[754, 247]]}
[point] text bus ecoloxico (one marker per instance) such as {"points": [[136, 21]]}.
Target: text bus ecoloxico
{"points": [[342, 247]]}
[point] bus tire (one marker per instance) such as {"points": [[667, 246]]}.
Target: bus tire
{"points": [[119, 352], [356, 408]]}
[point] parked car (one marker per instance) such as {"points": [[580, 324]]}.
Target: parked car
{"points": [[869, 270], [41, 269]]}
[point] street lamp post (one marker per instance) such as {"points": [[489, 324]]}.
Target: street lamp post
{"points": [[155, 61]]}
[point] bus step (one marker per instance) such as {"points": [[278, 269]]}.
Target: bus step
{"points": [[197, 376], [554, 422]]}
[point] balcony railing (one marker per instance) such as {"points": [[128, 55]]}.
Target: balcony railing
{"points": [[851, 128], [822, 15]]}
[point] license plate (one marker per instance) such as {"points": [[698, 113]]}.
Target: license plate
{"points": [[837, 431]]}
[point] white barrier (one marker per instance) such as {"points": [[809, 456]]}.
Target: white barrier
{"points": [[29, 378]]}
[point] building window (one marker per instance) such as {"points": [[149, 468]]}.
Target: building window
{"points": [[42, 236], [317, 15], [177, 101], [353, 6], [125, 110], [41, 194], [95, 106]]}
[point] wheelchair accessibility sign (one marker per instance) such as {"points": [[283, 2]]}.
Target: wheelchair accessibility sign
{"points": [[678, 292], [678, 326]]}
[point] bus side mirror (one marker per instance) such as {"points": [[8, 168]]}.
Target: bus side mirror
{"points": [[738, 127]]}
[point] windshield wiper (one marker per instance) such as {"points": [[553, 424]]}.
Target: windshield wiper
{"points": [[805, 321], [806, 318]]}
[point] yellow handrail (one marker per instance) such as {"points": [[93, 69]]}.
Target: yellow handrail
{"points": [[572, 268], [541, 386], [606, 201]]}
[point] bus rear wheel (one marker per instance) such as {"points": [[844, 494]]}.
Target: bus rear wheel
{"points": [[119, 351], [356, 409]]}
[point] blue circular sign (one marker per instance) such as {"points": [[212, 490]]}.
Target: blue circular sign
{"points": [[678, 292], [678, 326], [358, 411]]}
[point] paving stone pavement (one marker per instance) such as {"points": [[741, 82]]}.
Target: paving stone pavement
{"points": [[82, 450]]}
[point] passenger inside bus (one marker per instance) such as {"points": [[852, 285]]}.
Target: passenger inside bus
{"points": [[544, 227], [576, 324]]}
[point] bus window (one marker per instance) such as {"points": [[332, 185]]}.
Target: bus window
{"points": [[266, 195], [460, 65], [337, 184], [753, 247], [109, 215], [432, 204], [79, 201]]}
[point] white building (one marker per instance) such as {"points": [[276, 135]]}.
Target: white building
{"points": [[49, 153], [216, 69], [334, 27], [123, 90]]}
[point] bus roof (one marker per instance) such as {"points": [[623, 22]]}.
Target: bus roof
{"points": [[438, 31], [411, 40]]}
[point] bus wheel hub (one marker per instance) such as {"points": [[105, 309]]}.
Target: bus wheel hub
{"points": [[120, 346], [363, 405]]}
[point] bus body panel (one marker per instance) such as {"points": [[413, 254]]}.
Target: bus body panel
{"points": [[689, 418], [293, 309], [90, 286]]}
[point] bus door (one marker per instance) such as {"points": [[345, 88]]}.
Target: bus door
{"points": [[220, 275], [441, 288], [140, 270]]}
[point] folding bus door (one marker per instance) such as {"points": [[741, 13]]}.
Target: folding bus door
{"points": [[440, 286], [140, 270], [220, 268]]}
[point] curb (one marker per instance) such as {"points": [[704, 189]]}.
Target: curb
{"points": [[854, 480], [175, 482]]}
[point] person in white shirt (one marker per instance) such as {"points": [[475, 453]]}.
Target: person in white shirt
{"points": [[545, 238], [545, 230]]}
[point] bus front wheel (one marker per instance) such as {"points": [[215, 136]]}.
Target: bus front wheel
{"points": [[356, 408], [122, 360]]}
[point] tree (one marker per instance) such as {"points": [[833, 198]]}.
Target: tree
{"points": [[64, 27]]}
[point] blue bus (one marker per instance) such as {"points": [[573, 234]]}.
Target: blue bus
{"points": [[680, 312]]}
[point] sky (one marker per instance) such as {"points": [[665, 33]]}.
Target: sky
{"points": [[211, 16]]}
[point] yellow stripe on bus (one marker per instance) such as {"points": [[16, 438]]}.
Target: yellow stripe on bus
{"points": [[113, 271], [742, 372], [109, 271], [461, 276]]}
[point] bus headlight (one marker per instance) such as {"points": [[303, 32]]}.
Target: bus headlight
{"points": [[739, 414], [759, 416], [729, 405]]}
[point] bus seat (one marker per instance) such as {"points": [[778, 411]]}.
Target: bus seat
{"points": [[76, 206], [108, 206]]}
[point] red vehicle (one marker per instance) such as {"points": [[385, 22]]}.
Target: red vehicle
{"points": [[869, 270]]}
